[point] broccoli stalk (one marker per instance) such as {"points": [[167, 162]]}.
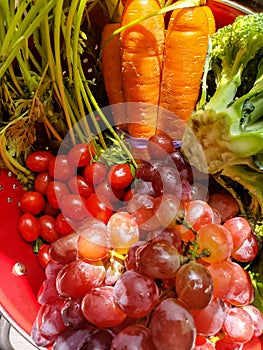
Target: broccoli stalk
{"points": [[228, 127], [225, 133]]}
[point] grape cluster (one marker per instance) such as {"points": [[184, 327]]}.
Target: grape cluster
{"points": [[163, 271]]}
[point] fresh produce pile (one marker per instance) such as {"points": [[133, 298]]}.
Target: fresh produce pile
{"points": [[151, 259], [156, 253]]}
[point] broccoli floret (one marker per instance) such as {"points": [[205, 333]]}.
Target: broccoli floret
{"points": [[227, 127], [225, 133], [235, 48]]}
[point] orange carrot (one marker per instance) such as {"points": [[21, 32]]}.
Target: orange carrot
{"points": [[185, 53], [111, 70], [142, 48]]}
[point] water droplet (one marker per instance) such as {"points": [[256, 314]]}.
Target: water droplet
{"points": [[15, 187], [1, 187], [19, 269], [9, 200], [9, 174]]}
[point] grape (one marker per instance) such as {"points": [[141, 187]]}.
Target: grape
{"points": [[159, 260], [47, 291], [257, 319], [135, 294], [72, 315], [99, 308], [100, 339], [167, 180], [231, 282], [132, 256], [134, 337], [167, 209], [72, 339], [49, 319], [64, 250], [52, 269], [147, 170], [171, 236], [38, 338], [194, 285], [93, 241], [248, 249], [142, 208], [238, 325], [143, 187], [78, 277], [176, 159], [217, 240], [123, 231], [240, 230], [209, 320], [172, 326], [197, 214], [159, 145]]}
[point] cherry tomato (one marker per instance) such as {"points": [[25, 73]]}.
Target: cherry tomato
{"points": [[28, 226], [73, 207], [47, 228], [80, 155], [55, 191], [79, 185], [99, 208], [159, 145], [38, 161], [50, 210], [41, 182], [62, 225], [120, 176], [32, 202], [60, 168], [95, 173], [43, 255]]}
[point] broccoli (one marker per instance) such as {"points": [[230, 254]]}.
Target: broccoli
{"points": [[226, 129], [227, 126]]}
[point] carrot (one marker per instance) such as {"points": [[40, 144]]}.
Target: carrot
{"points": [[185, 53], [142, 48], [111, 70]]}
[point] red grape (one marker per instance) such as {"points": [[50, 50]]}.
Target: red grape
{"points": [[135, 294], [99, 308], [172, 326]]}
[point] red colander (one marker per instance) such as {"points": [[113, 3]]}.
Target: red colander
{"points": [[20, 273]]}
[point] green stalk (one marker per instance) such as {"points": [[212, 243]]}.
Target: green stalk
{"points": [[75, 49], [105, 120], [69, 27], [45, 35], [59, 72], [12, 52], [13, 25]]}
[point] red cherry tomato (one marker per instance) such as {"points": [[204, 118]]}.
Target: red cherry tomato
{"points": [[32, 202], [47, 228], [38, 161], [62, 225], [79, 185], [41, 182], [80, 155], [55, 191], [61, 169], [120, 176], [95, 173], [99, 208], [50, 210], [43, 255], [28, 226], [73, 207]]}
